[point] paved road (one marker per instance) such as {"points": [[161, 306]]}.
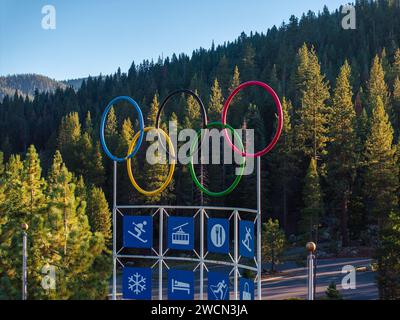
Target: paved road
{"points": [[292, 281]]}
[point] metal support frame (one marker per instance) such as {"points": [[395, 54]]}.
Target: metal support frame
{"points": [[24, 265], [202, 254], [236, 253], [310, 276], [114, 218], [259, 261], [160, 256]]}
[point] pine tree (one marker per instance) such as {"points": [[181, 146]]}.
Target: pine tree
{"points": [[362, 127], [27, 191], [240, 108], [248, 61], [88, 124], [127, 133], [254, 121], [73, 247], [216, 102], [313, 114], [313, 203], [386, 66], [97, 174], [193, 115], [111, 130], [388, 256], [377, 86], [282, 162], [99, 213], [151, 117], [381, 177], [235, 82], [11, 206], [125, 193], [273, 242], [3, 217], [396, 106], [396, 64], [223, 73], [69, 136], [192, 120], [342, 164], [155, 173]]}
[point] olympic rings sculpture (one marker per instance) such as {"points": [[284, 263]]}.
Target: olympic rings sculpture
{"points": [[103, 124], [198, 100], [171, 166], [191, 167], [138, 138]]}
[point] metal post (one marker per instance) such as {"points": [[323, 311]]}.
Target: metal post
{"points": [[24, 227], [114, 218], [236, 253], [160, 255], [201, 254], [259, 261], [311, 247]]}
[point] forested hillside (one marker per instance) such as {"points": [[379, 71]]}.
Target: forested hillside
{"points": [[334, 174], [26, 84]]}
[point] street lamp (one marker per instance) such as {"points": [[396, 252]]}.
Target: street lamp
{"points": [[311, 248], [24, 228]]}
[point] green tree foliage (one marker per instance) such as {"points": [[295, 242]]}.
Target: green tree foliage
{"points": [[313, 112], [282, 164], [377, 87], [157, 171], [99, 213], [79, 149], [30, 210], [59, 233], [396, 64], [313, 203], [381, 177], [396, 106], [3, 217], [273, 242], [216, 102], [72, 246], [388, 255], [332, 293], [69, 135], [342, 164]]}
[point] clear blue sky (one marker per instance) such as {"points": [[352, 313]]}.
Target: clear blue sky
{"points": [[98, 36]]}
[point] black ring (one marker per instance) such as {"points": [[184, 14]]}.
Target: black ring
{"points": [[202, 109]]}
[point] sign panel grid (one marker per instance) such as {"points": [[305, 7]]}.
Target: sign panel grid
{"points": [[223, 248]]}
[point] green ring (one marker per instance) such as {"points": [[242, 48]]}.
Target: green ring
{"points": [[191, 167]]}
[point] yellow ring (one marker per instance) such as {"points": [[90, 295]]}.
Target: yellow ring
{"points": [[171, 166]]}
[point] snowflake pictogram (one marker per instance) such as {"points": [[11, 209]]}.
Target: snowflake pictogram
{"points": [[137, 283]]}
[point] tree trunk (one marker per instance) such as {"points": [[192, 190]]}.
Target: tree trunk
{"points": [[344, 219], [285, 207]]}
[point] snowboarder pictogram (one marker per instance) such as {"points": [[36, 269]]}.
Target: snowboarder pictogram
{"points": [[246, 241]]}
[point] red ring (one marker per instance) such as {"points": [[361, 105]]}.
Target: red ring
{"points": [[280, 118]]}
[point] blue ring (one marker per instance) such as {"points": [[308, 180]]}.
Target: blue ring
{"points": [[103, 124]]}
